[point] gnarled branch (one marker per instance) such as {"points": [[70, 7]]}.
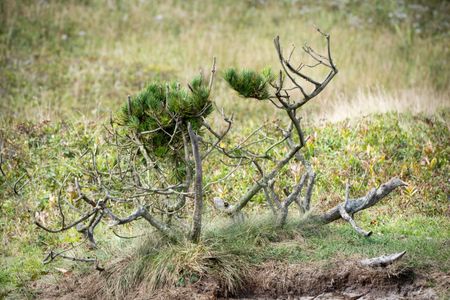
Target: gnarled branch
{"points": [[372, 198]]}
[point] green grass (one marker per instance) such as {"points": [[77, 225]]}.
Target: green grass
{"points": [[424, 239]]}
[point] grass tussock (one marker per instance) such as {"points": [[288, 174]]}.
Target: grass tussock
{"points": [[156, 264]]}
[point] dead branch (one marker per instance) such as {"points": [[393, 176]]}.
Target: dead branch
{"points": [[382, 261], [213, 72], [369, 200], [263, 181], [311, 176], [83, 218], [269, 196], [126, 237], [219, 137], [226, 176], [164, 229], [347, 217], [319, 86], [82, 196], [281, 220]]}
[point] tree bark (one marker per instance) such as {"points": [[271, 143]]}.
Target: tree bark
{"points": [[198, 188], [382, 261], [369, 200]]}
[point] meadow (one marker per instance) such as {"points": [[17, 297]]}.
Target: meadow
{"points": [[65, 66]]}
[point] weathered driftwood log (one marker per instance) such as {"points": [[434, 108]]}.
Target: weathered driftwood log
{"points": [[382, 261], [369, 200]]}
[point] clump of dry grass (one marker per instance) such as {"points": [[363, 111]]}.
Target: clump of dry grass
{"points": [[157, 264]]}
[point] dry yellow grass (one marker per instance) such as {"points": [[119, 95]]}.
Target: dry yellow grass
{"points": [[72, 58]]}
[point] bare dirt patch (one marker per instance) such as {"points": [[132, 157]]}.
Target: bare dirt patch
{"points": [[275, 280], [340, 280]]}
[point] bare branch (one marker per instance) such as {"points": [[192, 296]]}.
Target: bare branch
{"points": [[347, 217], [16, 187], [120, 221], [213, 71], [84, 218], [298, 188], [155, 223], [89, 232], [269, 199], [281, 220], [236, 167], [293, 70], [282, 62], [126, 237], [311, 174], [372, 198], [82, 196], [258, 185], [311, 180], [275, 198], [266, 189], [288, 68], [382, 261], [53, 255], [219, 137], [198, 187]]}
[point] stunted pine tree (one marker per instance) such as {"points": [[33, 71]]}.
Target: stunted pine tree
{"points": [[161, 137]]}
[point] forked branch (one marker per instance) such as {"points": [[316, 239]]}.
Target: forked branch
{"points": [[347, 217], [369, 200]]}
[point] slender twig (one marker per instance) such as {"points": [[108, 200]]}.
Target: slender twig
{"points": [[126, 237], [1, 158], [236, 167], [213, 71], [83, 218]]}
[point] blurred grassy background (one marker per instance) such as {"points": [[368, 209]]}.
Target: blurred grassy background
{"points": [[66, 58], [64, 65]]}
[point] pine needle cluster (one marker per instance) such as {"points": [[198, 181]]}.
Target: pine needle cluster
{"points": [[249, 83], [162, 110]]}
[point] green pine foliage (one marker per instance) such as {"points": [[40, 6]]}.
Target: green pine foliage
{"points": [[157, 109], [249, 83]]}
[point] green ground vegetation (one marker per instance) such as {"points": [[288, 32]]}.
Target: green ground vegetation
{"points": [[368, 151]]}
